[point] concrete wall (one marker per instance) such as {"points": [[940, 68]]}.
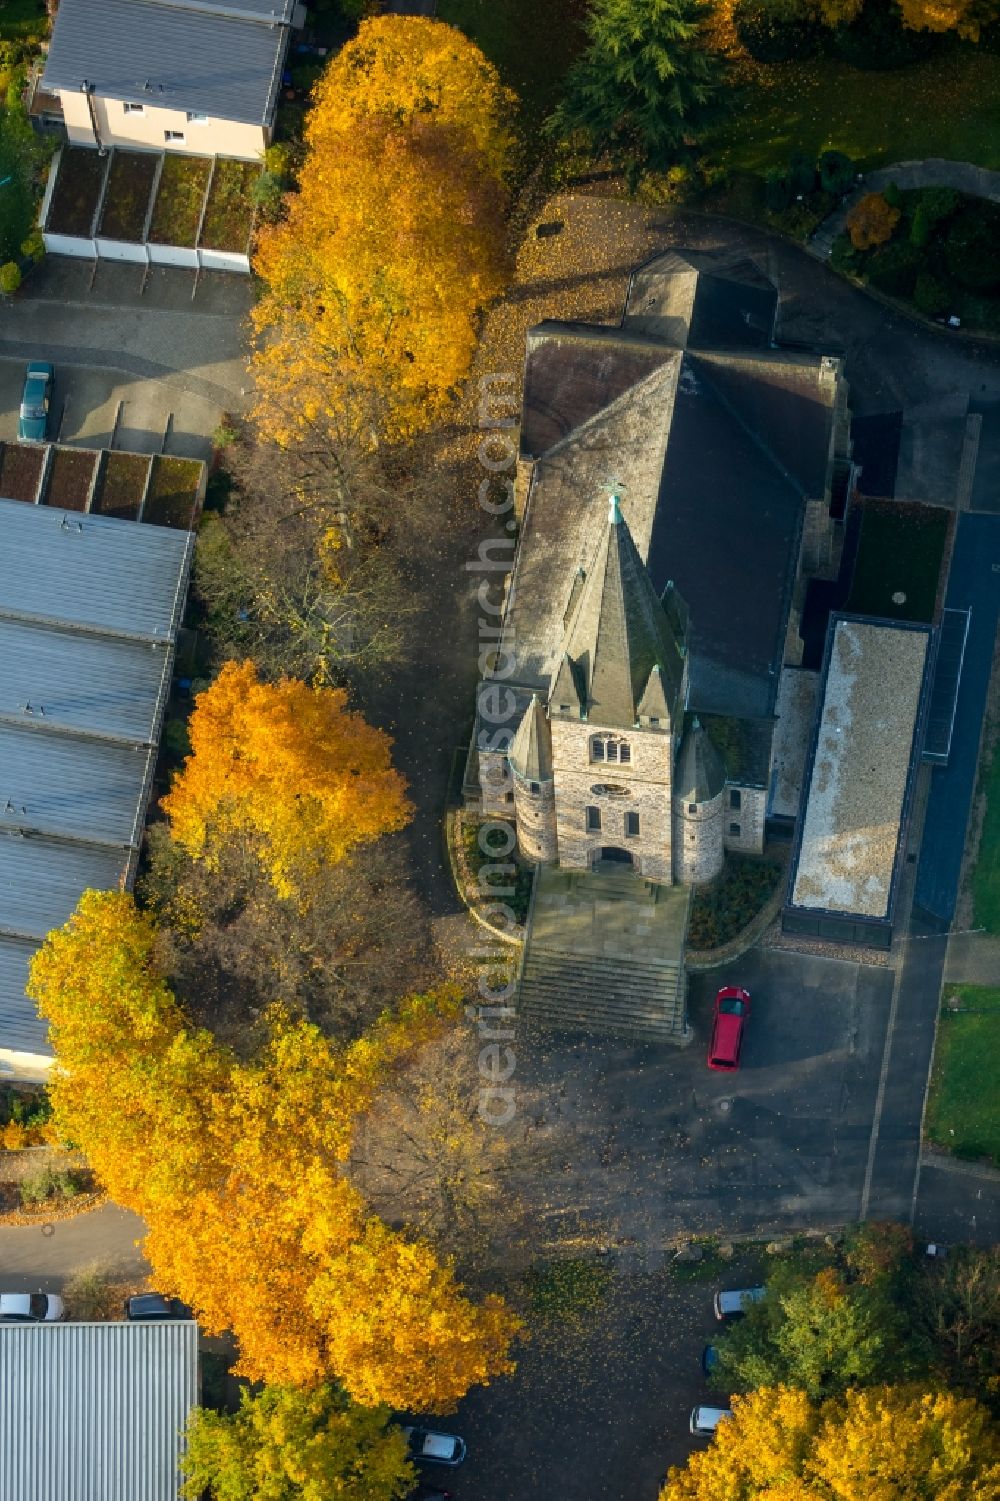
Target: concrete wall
{"points": [[147, 131], [749, 817], [698, 836], [536, 820], [647, 779]]}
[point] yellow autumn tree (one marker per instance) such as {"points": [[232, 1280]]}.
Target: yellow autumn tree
{"points": [[964, 16], [287, 768], [374, 280], [236, 1165], [880, 1444]]}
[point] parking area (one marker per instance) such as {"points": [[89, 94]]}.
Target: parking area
{"points": [[143, 363], [96, 407], [603, 1413], [654, 1145]]}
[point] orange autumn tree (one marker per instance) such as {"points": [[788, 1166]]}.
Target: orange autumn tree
{"points": [[286, 767], [871, 221], [237, 1168], [374, 280]]}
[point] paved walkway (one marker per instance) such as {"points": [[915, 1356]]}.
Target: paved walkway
{"points": [[973, 959], [31, 1259], [935, 172]]}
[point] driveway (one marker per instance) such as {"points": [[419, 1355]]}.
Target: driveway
{"points": [[653, 1145], [155, 366], [36, 1257]]}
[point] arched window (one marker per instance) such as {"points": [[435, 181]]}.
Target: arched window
{"points": [[612, 749]]}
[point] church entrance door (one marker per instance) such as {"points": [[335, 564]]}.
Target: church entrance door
{"points": [[612, 855]]}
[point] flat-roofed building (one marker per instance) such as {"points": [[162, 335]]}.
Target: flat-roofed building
{"points": [[95, 1412], [859, 781], [89, 612]]}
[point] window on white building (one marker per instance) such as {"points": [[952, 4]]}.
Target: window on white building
{"points": [[134, 109], [196, 119], [593, 820], [734, 828], [173, 137], [734, 799], [632, 825]]}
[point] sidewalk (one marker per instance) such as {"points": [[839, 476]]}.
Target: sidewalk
{"points": [[973, 959], [935, 172]]}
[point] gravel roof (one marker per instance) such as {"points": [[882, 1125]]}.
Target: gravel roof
{"points": [[858, 779]]}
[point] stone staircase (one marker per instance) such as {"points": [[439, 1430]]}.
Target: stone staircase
{"points": [[605, 954]]}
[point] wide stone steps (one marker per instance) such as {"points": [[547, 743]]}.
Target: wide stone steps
{"points": [[627, 997]]}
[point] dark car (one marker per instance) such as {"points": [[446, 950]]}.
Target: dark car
{"points": [[709, 1360], [732, 1008], [429, 1447], [36, 398], [155, 1306]]}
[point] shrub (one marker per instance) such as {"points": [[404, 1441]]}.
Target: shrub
{"points": [[894, 268], [836, 172], [872, 221], [931, 295], [34, 246], [777, 190], [843, 256], [892, 195], [49, 1183], [775, 33], [802, 174], [933, 206], [10, 278], [972, 246]]}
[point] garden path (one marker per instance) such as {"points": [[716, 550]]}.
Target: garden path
{"points": [[935, 172]]}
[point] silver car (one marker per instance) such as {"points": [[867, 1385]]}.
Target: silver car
{"points": [[30, 1308]]}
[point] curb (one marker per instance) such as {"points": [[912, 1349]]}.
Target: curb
{"points": [[701, 960]]}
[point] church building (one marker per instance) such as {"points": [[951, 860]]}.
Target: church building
{"points": [[679, 482]]}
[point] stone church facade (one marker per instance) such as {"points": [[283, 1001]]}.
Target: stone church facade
{"points": [[675, 480]]}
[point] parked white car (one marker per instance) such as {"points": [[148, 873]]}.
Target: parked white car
{"points": [[705, 1420], [30, 1308], [428, 1447], [734, 1303]]}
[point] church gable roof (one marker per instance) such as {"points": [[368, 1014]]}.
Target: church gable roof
{"points": [[695, 299], [573, 371], [619, 632], [699, 775]]}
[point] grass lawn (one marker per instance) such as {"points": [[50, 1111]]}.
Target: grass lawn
{"points": [[21, 19], [986, 876], [531, 42], [948, 106], [963, 1107], [900, 553]]}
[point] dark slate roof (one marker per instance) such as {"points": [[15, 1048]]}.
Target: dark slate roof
{"points": [[572, 371], [700, 775], [220, 59], [619, 632], [726, 531], [697, 300], [714, 451]]}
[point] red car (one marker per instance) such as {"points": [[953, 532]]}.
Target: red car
{"points": [[732, 1007]]}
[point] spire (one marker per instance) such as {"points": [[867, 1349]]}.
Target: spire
{"points": [[700, 775], [530, 753], [618, 632]]}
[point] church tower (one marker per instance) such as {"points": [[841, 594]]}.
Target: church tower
{"points": [[530, 760], [699, 787], [618, 689]]}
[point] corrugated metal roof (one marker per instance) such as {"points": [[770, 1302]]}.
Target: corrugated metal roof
{"points": [[21, 1028], [41, 881], [95, 1412], [95, 684], [206, 61], [92, 571], [80, 789]]}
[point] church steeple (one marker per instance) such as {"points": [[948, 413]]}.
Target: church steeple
{"points": [[622, 655]]}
